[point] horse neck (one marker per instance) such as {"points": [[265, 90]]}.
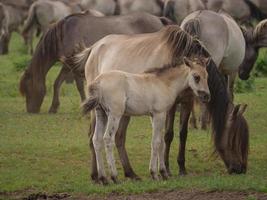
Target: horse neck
{"points": [[175, 78]]}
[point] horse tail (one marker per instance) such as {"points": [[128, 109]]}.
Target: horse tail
{"points": [[78, 60], [30, 21], [93, 100], [168, 10], [192, 27]]}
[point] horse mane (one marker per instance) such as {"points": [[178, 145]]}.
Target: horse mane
{"points": [[178, 41], [159, 71], [219, 102], [44, 56], [258, 33]]}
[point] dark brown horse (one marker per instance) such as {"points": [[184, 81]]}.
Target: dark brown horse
{"points": [[230, 129], [256, 38], [62, 40]]}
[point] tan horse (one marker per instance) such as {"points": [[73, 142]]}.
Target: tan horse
{"points": [[139, 53], [153, 93]]}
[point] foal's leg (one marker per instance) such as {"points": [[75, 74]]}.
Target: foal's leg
{"points": [[204, 116], [99, 144], [186, 108], [158, 123], [169, 135], [120, 140], [58, 82], [109, 139]]}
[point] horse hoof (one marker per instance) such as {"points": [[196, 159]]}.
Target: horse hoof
{"points": [[103, 180], [164, 174], [154, 176], [52, 111], [169, 173], [115, 179], [182, 173], [133, 176]]}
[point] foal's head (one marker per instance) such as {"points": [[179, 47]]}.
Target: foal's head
{"points": [[198, 77], [235, 142]]}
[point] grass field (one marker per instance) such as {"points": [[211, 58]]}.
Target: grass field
{"points": [[49, 153]]}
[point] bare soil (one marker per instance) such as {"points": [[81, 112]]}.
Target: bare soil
{"points": [[162, 195]]}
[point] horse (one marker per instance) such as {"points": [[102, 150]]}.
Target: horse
{"points": [[107, 7], [154, 7], [10, 20], [137, 54], [62, 40], [256, 38], [41, 15], [237, 49], [117, 93], [240, 10]]}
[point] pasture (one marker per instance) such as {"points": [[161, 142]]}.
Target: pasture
{"points": [[46, 153]]}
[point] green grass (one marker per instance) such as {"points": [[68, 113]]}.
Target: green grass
{"points": [[49, 153]]}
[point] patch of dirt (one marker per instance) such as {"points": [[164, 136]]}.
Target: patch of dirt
{"points": [[163, 195]]}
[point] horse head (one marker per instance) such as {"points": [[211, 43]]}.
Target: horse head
{"points": [[255, 39], [233, 147]]}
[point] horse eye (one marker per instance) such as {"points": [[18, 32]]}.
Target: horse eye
{"points": [[197, 78]]}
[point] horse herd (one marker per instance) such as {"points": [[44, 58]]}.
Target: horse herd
{"points": [[142, 64]]}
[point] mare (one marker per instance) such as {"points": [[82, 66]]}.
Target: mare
{"points": [[117, 93], [62, 39], [139, 53]]}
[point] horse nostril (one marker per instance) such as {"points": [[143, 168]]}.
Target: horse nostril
{"points": [[204, 96]]}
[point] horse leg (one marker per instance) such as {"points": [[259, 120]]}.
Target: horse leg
{"points": [[186, 108], [158, 125], [169, 135], [6, 43], [109, 140], [231, 82], [204, 118], [193, 119], [94, 173], [57, 84], [80, 86], [120, 140], [99, 144]]}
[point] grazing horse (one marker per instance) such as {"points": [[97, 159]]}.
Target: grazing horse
{"points": [[237, 50], [255, 39], [154, 7], [10, 19], [139, 53], [153, 93], [41, 15], [62, 40]]}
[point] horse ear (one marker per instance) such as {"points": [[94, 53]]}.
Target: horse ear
{"points": [[207, 60], [235, 110], [242, 109], [188, 62], [260, 34]]}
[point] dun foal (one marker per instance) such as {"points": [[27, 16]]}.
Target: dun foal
{"points": [[153, 93]]}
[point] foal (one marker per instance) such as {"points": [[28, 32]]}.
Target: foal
{"points": [[153, 93]]}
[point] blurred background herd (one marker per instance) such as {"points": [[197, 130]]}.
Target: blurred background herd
{"points": [[32, 18]]}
